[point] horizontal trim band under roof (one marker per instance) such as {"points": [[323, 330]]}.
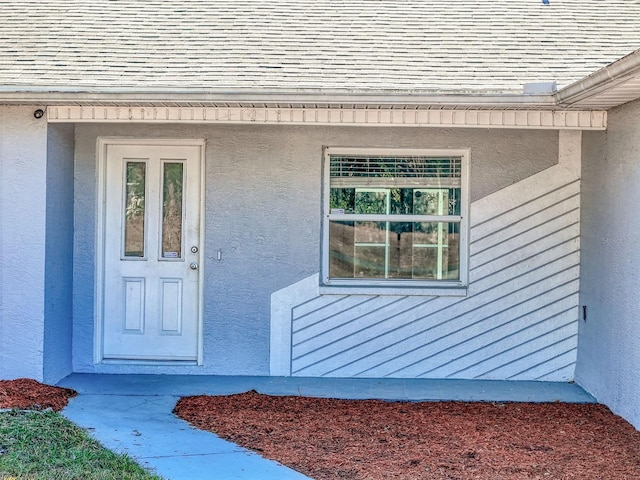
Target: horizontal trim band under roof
{"points": [[537, 119]]}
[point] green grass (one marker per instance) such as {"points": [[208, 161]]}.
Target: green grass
{"points": [[45, 445]]}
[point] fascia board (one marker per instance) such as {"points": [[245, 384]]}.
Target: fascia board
{"points": [[606, 78], [191, 97]]}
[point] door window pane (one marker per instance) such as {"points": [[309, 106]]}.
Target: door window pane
{"points": [[172, 181], [134, 209]]}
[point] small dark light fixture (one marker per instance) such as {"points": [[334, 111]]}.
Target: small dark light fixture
{"points": [[39, 113]]}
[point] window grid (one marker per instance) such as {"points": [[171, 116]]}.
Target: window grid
{"points": [[440, 178]]}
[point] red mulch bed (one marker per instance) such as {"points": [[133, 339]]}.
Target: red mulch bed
{"points": [[27, 394], [341, 439]]}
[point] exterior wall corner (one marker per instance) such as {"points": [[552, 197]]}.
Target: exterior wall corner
{"points": [[23, 157]]}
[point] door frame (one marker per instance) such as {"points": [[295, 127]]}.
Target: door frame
{"points": [[102, 144]]}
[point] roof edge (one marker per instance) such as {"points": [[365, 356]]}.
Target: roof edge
{"points": [[603, 79], [190, 97]]}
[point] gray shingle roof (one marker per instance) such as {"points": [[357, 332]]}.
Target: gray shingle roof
{"points": [[435, 46]]}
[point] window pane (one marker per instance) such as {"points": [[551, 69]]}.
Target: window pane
{"points": [[394, 250], [342, 200], [395, 201], [370, 232], [430, 201], [435, 250], [372, 201], [370, 261], [134, 209], [172, 210]]}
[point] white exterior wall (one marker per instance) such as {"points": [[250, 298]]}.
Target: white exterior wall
{"points": [[59, 253], [519, 319], [263, 211], [609, 339], [23, 157]]}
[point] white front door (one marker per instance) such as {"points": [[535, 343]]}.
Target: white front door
{"points": [[151, 196]]}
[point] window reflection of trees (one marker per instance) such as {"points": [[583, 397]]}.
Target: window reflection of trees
{"points": [[172, 210], [135, 209]]}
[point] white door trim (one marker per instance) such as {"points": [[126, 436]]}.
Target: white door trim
{"points": [[101, 149]]}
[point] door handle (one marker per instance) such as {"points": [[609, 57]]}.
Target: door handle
{"points": [[193, 266]]}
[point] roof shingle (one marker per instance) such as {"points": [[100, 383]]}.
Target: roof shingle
{"points": [[439, 46]]}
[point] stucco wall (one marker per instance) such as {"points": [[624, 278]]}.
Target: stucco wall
{"points": [[609, 339], [23, 154], [59, 253], [263, 213]]}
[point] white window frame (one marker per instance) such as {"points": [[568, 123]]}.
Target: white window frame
{"points": [[395, 286]]}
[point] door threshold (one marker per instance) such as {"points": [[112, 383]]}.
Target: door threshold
{"points": [[122, 361]]}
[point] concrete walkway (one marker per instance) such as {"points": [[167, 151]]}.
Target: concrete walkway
{"points": [[145, 429], [132, 414]]}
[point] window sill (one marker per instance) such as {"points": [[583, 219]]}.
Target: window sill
{"points": [[397, 290]]}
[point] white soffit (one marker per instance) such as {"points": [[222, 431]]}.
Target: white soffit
{"points": [[536, 119]]}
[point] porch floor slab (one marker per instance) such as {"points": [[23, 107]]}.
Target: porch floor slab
{"points": [[133, 414], [406, 389]]}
